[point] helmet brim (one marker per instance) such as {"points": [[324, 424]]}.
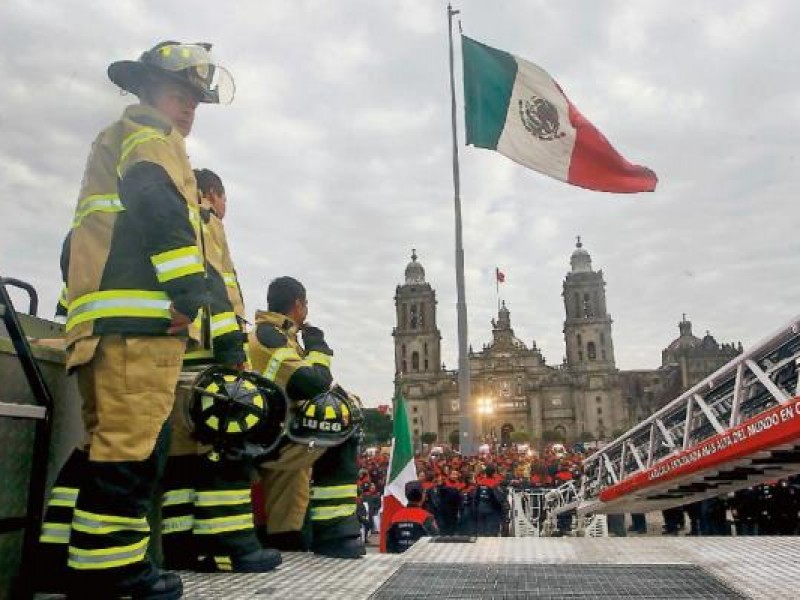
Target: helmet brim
{"points": [[131, 75], [321, 442]]}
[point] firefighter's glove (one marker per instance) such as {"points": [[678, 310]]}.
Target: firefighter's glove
{"points": [[314, 339]]}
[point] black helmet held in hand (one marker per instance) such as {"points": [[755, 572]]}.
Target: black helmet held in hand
{"points": [[326, 420], [237, 411]]}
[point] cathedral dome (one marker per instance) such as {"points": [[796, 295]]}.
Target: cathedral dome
{"points": [[684, 341], [415, 272], [580, 260]]}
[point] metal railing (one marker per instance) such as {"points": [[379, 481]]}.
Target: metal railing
{"points": [[41, 413], [753, 383], [527, 512]]}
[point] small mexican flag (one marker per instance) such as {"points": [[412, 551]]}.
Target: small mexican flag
{"points": [[516, 108], [401, 467]]}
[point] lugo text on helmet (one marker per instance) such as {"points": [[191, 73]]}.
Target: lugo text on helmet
{"points": [[321, 426]]}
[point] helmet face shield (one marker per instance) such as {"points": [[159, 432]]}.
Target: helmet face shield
{"points": [[215, 82]]}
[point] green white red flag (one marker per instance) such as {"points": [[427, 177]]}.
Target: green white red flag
{"points": [[516, 108], [401, 467]]}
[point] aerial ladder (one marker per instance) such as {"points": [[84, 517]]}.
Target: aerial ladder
{"points": [[737, 428]]}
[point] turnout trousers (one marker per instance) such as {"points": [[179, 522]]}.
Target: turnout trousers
{"points": [[96, 518], [320, 481]]}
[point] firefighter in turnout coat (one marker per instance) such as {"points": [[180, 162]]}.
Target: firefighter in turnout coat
{"points": [[135, 281], [207, 519], [303, 372]]}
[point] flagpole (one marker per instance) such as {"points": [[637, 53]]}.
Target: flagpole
{"points": [[466, 429], [497, 286]]}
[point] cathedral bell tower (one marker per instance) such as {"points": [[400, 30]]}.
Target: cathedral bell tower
{"points": [[417, 340], [587, 328]]}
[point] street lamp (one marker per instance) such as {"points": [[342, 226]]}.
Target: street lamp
{"points": [[485, 408]]}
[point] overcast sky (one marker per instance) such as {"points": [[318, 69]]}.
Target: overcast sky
{"points": [[336, 157]]}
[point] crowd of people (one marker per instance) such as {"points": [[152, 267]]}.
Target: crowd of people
{"points": [[455, 494], [518, 468], [466, 495], [767, 509]]}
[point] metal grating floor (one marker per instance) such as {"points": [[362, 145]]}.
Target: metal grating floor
{"points": [[762, 568], [467, 581]]}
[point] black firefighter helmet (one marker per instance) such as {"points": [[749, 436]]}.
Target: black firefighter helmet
{"points": [[326, 420], [237, 411]]}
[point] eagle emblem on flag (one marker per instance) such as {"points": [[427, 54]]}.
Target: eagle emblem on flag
{"points": [[540, 118]]}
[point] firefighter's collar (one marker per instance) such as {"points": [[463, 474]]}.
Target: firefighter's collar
{"points": [[278, 320], [149, 116]]}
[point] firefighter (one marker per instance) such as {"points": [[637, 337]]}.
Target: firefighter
{"points": [[488, 503], [213, 208], [411, 522], [207, 521], [136, 280], [303, 372]]}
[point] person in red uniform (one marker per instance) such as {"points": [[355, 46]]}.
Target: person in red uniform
{"points": [[410, 523]]}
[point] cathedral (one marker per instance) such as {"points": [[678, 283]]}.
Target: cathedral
{"points": [[585, 398]]}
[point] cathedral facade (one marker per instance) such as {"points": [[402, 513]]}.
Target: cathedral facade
{"points": [[514, 389]]}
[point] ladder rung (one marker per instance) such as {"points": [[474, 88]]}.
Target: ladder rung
{"points": [[22, 411]]}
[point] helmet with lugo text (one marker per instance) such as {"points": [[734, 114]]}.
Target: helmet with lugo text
{"points": [[326, 420]]}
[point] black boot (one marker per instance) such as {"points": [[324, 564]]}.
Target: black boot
{"points": [[350, 547], [258, 561], [287, 541], [166, 586]]}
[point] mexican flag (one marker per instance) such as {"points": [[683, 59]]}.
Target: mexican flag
{"points": [[401, 467], [516, 108]]}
